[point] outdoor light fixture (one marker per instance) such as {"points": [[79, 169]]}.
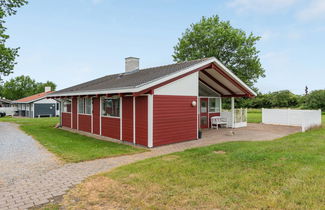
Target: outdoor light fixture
{"points": [[193, 103]]}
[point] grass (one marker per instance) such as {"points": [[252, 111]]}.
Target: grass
{"points": [[70, 147], [287, 173], [254, 116]]}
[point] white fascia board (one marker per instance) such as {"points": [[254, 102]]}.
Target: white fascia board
{"points": [[223, 67]]}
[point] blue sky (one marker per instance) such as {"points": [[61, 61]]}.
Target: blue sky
{"points": [[73, 41]]}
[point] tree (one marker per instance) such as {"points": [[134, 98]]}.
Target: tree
{"points": [[283, 98], [41, 86], [233, 47], [7, 55], [23, 86], [315, 100]]}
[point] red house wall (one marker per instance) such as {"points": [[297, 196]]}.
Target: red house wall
{"points": [[111, 127], [96, 117], [141, 120], [174, 119], [84, 122], [74, 113], [127, 119], [66, 119]]}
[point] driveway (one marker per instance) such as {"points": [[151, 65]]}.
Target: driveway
{"points": [[21, 156], [39, 189]]}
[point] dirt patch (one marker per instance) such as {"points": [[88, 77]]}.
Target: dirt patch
{"points": [[219, 152], [170, 157], [99, 193]]}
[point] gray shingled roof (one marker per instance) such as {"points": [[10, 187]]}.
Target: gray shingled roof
{"points": [[130, 79]]}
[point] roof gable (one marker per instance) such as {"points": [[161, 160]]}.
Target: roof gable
{"points": [[32, 98]]}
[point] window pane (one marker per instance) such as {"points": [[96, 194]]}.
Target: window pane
{"points": [[88, 105], [111, 107], [203, 106], [214, 105], [81, 104]]}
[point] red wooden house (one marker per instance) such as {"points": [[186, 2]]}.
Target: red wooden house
{"points": [[153, 106]]}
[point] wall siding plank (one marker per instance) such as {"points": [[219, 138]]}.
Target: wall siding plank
{"points": [[141, 120], [66, 119], [127, 116], [174, 119], [111, 127]]}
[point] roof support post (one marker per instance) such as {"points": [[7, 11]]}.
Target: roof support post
{"points": [[232, 112], [150, 120], [134, 121]]}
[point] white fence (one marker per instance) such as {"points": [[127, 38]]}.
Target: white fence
{"points": [[304, 118], [8, 110]]}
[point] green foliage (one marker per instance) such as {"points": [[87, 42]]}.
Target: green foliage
{"points": [[23, 86], [41, 86], [315, 100], [283, 98], [278, 99], [233, 47], [7, 55]]}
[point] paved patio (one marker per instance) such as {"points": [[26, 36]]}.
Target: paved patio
{"points": [[40, 188]]}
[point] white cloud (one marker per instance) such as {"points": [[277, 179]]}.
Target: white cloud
{"points": [[269, 35], [315, 10], [263, 6]]}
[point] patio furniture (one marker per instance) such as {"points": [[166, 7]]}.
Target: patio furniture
{"points": [[217, 120]]}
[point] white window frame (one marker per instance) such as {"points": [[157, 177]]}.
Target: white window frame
{"points": [[84, 106], [219, 98], [91, 106], [120, 107]]}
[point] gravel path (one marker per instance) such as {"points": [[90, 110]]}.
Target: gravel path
{"points": [[21, 156]]}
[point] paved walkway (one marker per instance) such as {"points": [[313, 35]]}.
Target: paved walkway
{"points": [[36, 190]]}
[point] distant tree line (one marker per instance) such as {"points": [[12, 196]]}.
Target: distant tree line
{"points": [[284, 99], [23, 86]]}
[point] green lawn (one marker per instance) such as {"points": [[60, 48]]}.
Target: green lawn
{"points": [[254, 115], [70, 147], [287, 173]]}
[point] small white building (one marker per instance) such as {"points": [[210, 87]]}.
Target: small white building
{"points": [[37, 105]]}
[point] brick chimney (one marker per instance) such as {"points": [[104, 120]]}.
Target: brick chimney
{"points": [[131, 64], [47, 89]]}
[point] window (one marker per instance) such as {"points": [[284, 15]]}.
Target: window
{"points": [[66, 106], [203, 106], [111, 107], [84, 105], [88, 105], [214, 105], [81, 105]]}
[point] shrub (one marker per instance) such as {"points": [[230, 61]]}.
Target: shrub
{"points": [[315, 100]]}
